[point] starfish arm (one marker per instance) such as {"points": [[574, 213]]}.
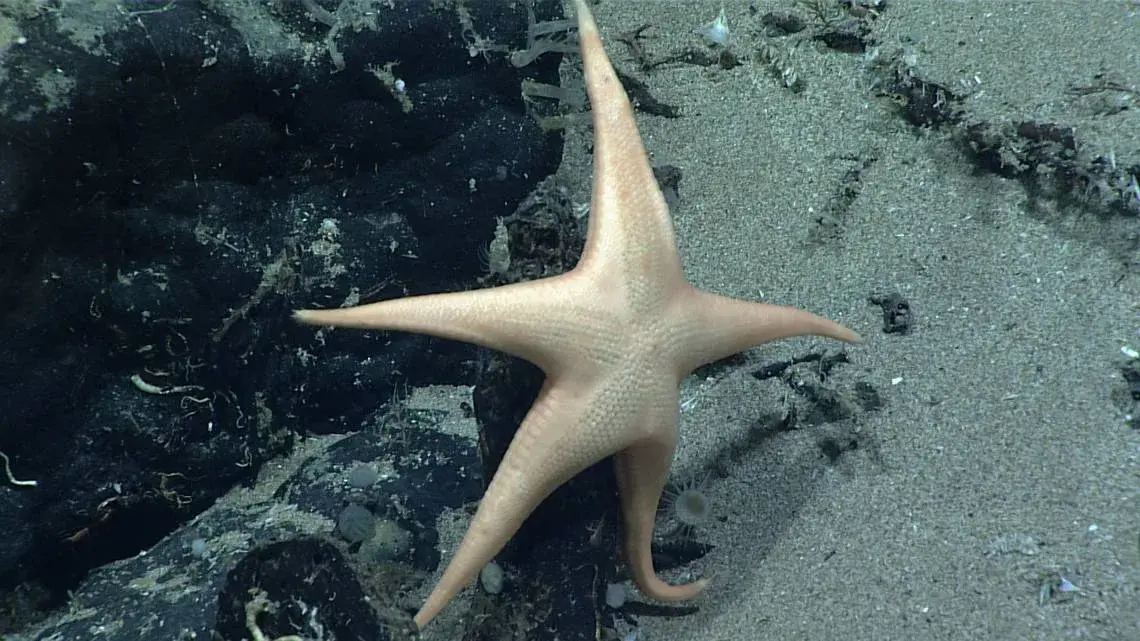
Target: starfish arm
{"points": [[545, 453], [642, 469], [511, 319], [629, 219], [721, 326]]}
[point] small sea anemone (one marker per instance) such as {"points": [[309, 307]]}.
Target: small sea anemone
{"points": [[715, 32], [687, 506]]}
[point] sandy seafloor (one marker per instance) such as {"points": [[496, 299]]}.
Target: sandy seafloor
{"points": [[1000, 461]]}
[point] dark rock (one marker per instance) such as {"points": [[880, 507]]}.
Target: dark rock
{"points": [[174, 180]]}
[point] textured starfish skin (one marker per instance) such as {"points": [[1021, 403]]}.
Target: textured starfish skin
{"points": [[614, 336]]}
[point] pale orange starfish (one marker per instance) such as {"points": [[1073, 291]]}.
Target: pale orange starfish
{"points": [[615, 336]]}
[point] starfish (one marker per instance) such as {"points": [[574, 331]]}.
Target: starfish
{"points": [[614, 337]]}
